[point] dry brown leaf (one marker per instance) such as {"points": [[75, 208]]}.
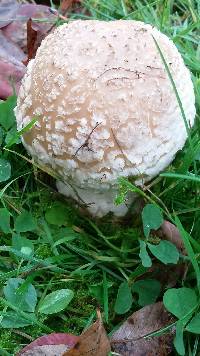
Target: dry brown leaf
{"points": [[16, 30], [129, 339], [168, 275], [31, 41], [92, 342], [169, 231], [34, 39], [66, 4]]}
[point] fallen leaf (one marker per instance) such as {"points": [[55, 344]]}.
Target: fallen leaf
{"points": [[11, 66], [49, 345], [168, 275], [129, 339], [92, 342], [31, 41], [8, 11], [66, 4], [8, 49], [47, 350], [17, 29], [13, 39], [169, 231]]}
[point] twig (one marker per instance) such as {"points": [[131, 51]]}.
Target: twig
{"points": [[125, 158], [56, 13], [85, 144]]}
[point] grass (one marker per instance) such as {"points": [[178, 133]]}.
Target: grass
{"points": [[50, 245]]}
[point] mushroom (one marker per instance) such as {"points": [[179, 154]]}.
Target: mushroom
{"points": [[106, 107]]}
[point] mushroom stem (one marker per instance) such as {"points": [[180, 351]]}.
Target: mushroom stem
{"points": [[96, 201]]}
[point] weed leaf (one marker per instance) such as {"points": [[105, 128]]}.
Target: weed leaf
{"points": [[180, 301], [5, 221], [20, 293], [13, 135], [144, 256], [97, 291], [152, 218], [178, 340], [124, 299], [5, 170], [165, 252], [7, 117], [56, 301], [148, 291], [25, 222], [56, 214], [14, 320], [194, 325], [23, 245]]}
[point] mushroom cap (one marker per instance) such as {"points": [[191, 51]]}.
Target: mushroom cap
{"points": [[105, 104]]}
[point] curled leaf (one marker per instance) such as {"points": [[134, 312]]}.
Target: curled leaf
{"points": [[66, 4], [169, 231], [31, 41], [93, 342]]}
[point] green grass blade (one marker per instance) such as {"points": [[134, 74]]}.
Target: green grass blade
{"points": [[175, 90], [191, 177], [186, 240], [105, 296]]}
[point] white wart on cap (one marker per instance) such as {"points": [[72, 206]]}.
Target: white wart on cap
{"points": [[106, 107]]}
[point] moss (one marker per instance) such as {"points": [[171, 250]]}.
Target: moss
{"points": [[9, 341], [43, 251]]}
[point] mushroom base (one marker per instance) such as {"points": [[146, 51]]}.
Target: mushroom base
{"points": [[97, 202]]}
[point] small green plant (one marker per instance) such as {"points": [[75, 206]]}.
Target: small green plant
{"points": [[182, 302], [21, 298], [57, 266]]}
